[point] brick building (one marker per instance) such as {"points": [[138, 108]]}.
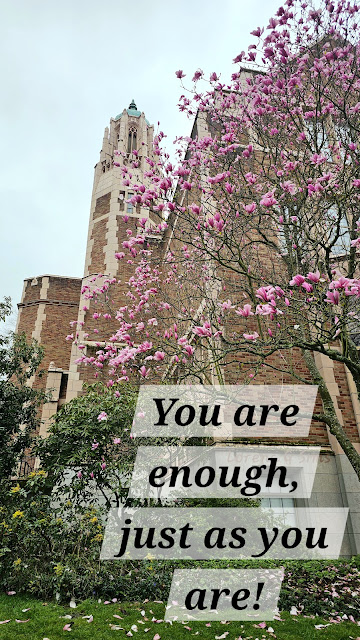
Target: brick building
{"points": [[49, 303]]}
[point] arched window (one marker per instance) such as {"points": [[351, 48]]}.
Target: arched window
{"points": [[132, 139]]}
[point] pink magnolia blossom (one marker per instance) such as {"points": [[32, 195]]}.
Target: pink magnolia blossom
{"points": [[307, 286], [257, 32], [250, 208], [297, 280], [314, 277], [268, 200], [341, 283], [159, 356], [317, 158], [226, 305], [289, 187], [333, 297], [189, 349], [197, 75], [267, 294], [251, 336], [245, 312], [204, 331], [229, 188]]}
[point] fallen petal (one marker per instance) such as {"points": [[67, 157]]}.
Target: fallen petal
{"points": [[322, 626], [115, 627]]}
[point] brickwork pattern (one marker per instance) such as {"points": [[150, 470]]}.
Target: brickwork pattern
{"points": [[57, 310], [102, 206]]}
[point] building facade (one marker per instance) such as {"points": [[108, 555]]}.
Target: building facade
{"points": [[50, 303]]}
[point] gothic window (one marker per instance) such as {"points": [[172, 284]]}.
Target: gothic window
{"points": [[132, 139]]}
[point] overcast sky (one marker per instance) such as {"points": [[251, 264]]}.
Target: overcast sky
{"points": [[67, 67]]}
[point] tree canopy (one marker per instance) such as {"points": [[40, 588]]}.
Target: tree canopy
{"points": [[259, 222]]}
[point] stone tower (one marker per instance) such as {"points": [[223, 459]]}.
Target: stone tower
{"points": [[128, 138]]}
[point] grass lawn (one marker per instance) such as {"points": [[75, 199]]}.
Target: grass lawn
{"points": [[46, 621]]}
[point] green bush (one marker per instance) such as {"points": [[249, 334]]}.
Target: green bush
{"points": [[55, 553], [52, 549]]}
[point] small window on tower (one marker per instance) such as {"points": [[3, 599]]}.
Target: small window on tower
{"points": [[132, 139]]}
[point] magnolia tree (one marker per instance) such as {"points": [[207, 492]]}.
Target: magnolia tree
{"points": [[259, 223]]}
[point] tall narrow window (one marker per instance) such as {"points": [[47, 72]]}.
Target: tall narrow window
{"points": [[318, 136], [129, 208], [132, 139], [340, 233]]}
